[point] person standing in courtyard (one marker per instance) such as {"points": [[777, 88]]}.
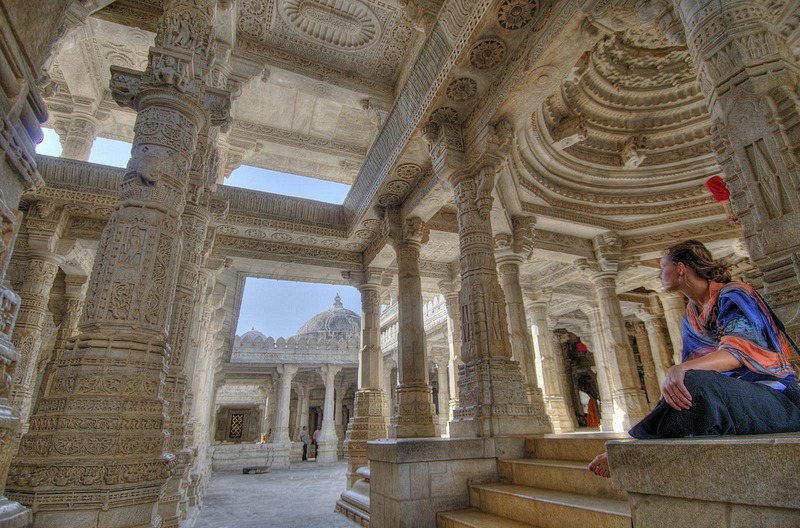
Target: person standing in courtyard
{"points": [[304, 439], [735, 376], [315, 438]]}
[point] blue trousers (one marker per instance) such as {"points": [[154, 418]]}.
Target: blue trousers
{"points": [[722, 405]]}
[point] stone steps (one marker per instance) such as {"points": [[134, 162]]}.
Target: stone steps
{"points": [[474, 518], [549, 489], [559, 475]]}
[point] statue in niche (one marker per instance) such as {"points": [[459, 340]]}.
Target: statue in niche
{"points": [[632, 155]]}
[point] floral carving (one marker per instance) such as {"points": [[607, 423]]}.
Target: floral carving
{"points": [[349, 24], [513, 14], [487, 54], [462, 89]]}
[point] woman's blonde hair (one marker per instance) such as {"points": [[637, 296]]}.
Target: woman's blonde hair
{"points": [[694, 254]]}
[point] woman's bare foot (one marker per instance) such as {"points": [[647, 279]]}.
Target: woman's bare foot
{"points": [[599, 466]]}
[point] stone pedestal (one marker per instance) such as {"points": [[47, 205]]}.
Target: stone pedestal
{"points": [[412, 479]]}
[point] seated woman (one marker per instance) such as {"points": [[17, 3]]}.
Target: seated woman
{"points": [[735, 376]]}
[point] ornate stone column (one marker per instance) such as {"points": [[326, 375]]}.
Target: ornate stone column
{"points": [[748, 73], [281, 433], [652, 386], [604, 377], [339, 414], [268, 405], [492, 396], [450, 291], [21, 110], [210, 342], [184, 328], [272, 410], [39, 271], [414, 417], [443, 398], [74, 296], [370, 416], [79, 136], [511, 251], [111, 379], [630, 404], [654, 325], [553, 369], [326, 450], [674, 310]]}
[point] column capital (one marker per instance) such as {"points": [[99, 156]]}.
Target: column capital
{"points": [[403, 232], [287, 370], [372, 278], [450, 287]]}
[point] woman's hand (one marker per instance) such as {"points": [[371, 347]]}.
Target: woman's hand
{"points": [[674, 391]]}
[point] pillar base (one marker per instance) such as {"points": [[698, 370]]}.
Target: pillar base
{"points": [[494, 402], [630, 407], [414, 418], [327, 450], [369, 423], [559, 414]]}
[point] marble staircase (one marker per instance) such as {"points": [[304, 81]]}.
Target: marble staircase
{"points": [[550, 488]]}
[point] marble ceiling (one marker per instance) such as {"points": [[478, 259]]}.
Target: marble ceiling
{"points": [[611, 132]]}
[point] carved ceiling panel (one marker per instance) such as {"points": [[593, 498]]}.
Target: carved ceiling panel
{"points": [[368, 39], [632, 102]]}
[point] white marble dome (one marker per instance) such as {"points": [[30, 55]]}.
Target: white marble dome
{"points": [[336, 322]]}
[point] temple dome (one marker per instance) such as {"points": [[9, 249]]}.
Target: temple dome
{"points": [[253, 334], [337, 322]]}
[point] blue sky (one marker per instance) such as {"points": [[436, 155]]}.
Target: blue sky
{"points": [[274, 308]]}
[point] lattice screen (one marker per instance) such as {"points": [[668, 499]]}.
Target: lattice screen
{"points": [[237, 424]]}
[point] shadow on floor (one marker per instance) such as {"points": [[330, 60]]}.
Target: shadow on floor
{"points": [[302, 496]]}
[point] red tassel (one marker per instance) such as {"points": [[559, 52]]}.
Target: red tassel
{"points": [[719, 191]]}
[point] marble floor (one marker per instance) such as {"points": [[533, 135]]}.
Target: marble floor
{"points": [[302, 496]]}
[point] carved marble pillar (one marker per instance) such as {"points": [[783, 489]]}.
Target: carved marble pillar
{"points": [[272, 411], [748, 73], [674, 310], [281, 432], [111, 378], [267, 389], [328, 443], [209, 341], [652, 385], [492, 396], [414, 416], [184, 328], [630, 405], [39, 272], [21, 111], [657, 340], [74, 296], [604, 377], [511, 251], [79, 136], [443, 398], [339, 414], [370, 416], [553, 369], [450, 291]]}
